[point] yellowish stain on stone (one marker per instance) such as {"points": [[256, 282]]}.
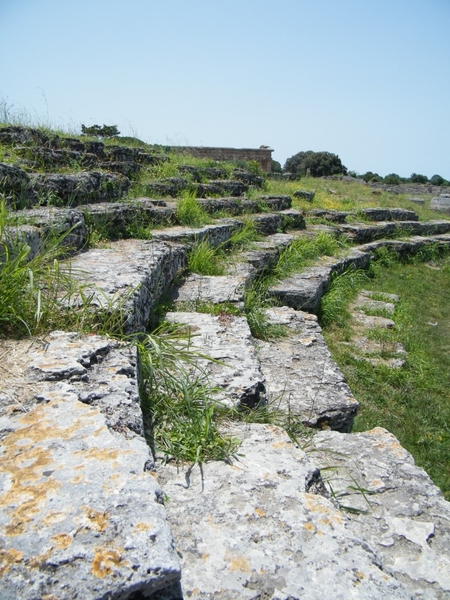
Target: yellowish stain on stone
{"points": [[77, 479], [237, 563], [49, 597], [205, 557], [281, 444], [38, 561], [8, 558], [139, 527], [98, 520], [62, 540], [309, 526], [53, 517], [260, 512], [106, 561]]}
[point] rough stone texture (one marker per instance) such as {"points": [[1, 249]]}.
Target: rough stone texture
{"points": [[65, 223], [301, 377], [248, 177], [129, 277], [100, 371], [336, 216], [366, 233], [214, 289], [409, 246], [119, 216], [221, 186], [404, 517], [270, 223], [441, 203], [227, 339], [262, 155], [82, 187], [265, 254], [80, 514], [15, 184], [237, 206], [305, 290], [170, 187], [216, 234], [304, 195], [389, 214], [259, 528]]}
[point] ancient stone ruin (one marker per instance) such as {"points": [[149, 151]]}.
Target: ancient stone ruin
{"points": [[88, 512]]}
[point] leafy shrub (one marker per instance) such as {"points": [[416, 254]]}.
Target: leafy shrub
{"points": [[437, 180], [392, 179], [317, 164], [417, 178], [103, 132]]}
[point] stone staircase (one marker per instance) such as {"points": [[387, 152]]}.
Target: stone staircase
{"points": [[88, 512]]}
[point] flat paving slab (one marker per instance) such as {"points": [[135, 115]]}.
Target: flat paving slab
{"points": [[235, 368], [302, 378], [393, 505], [259, 527], [128, 276], [80, 514]]}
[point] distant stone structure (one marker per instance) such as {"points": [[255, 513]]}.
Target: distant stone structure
{"points": [[262, 155]]}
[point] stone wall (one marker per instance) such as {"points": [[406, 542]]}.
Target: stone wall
{"points": [[262, 155]]}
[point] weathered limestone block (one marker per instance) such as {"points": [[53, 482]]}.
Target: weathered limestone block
{"points": [[409, 246], [301, 376], [260, 528], [215, 235], [128, 277], [441, 203], [265, 254], [227, 339], [15, 184], [389, 214], [16, 135], [82, 187], [66, 224], [79, 513], [304, 291], [367, 233], [16, 239], [238, 206], [248, 177], [214, 289], [117, 217], [336, 216], [277, 202], [304, 195], [199, 174], [221, 186], [402, 515], [100, 371]]}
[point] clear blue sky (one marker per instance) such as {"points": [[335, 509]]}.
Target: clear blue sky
{"points": [[368, 80]]}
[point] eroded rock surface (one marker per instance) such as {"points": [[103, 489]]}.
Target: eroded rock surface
{"points": [[397, 509], [261, 527], [226, 339], [301, 377]]}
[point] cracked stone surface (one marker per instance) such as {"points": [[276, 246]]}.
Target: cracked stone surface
{"points": [[227, 339], [305, 290], [302, 378], [79, 511], [261, 528], [401, 514], [128, 276]]}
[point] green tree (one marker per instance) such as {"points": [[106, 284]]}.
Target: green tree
{"points": [[316, 164], [417, 178], [392, 179], [104, 131], [437, 180]]}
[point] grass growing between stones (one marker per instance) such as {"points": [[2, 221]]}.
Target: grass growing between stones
{"points": [[413, 401], [189, 212], [181, 416]]}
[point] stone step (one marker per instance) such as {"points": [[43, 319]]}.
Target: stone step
{"points": [[393, 505], [303, 291], [262, 527], [227, 340], [128, 277], [78, 501], [360, 233], [301, 377], [408, 246], [371, 214]]}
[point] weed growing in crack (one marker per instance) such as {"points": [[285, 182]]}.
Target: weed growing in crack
{"points": [[176, 396]]}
